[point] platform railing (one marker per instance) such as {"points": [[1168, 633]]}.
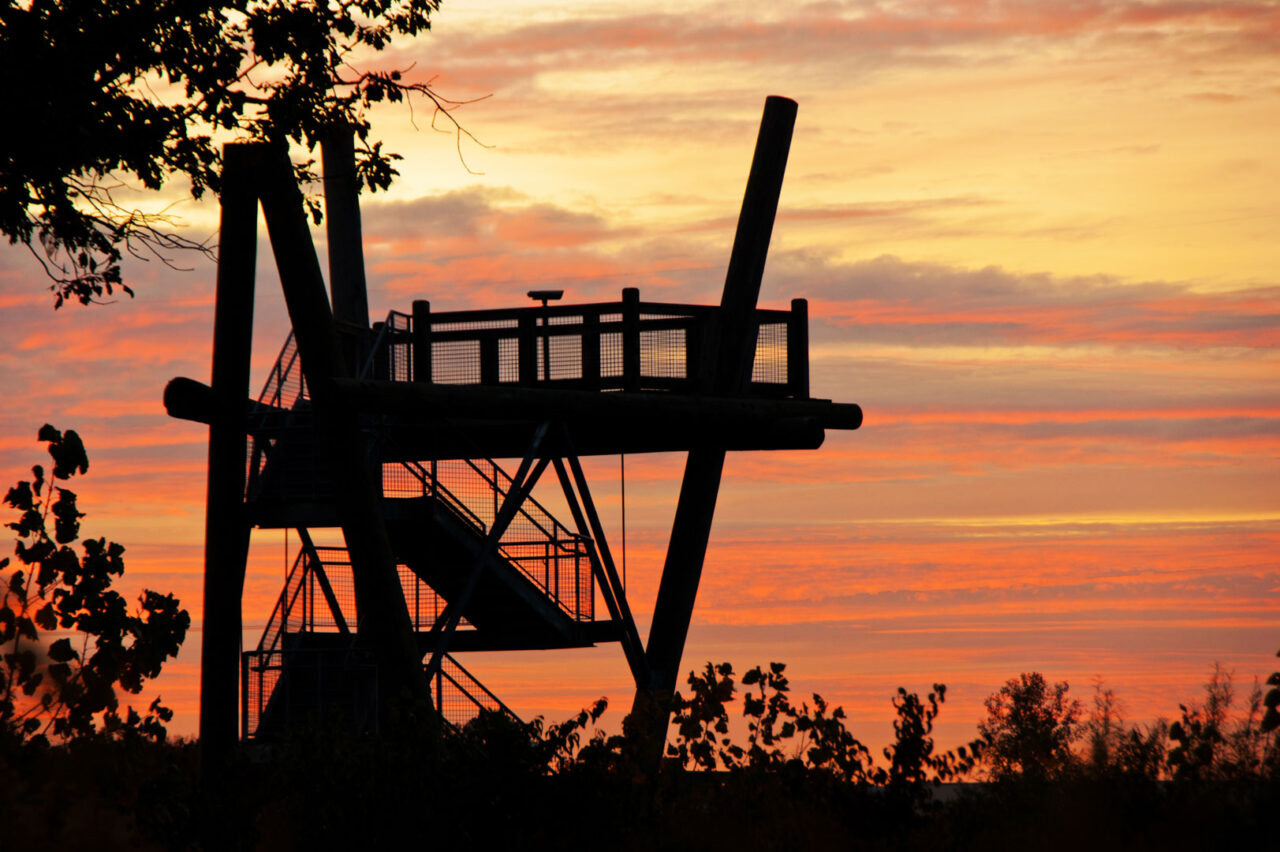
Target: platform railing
{"points": [[549, 554], [627, 345]]}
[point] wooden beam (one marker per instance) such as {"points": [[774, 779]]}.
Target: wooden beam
{"points": [[451, 421], [383, 621], [226, 536], [342, 228], [725, 370]]}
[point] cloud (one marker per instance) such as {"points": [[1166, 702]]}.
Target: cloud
{"points": [[819, 38], [887, 299]]}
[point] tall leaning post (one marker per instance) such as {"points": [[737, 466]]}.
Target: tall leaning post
{"points": [[348, 291], [226, 537], [725, 370], [383, 624]]}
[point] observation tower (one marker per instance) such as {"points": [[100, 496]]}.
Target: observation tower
{"points": [[387, 432]]}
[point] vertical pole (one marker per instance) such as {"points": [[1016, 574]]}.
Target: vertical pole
{"points": [[226, 537], [489, 372], [630, 339], [422, 341], [798, 350], [382, 358], [527, 349], [725, 370], [591, 351], [347, 287]]}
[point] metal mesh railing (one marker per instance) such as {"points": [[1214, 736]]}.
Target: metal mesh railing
{"points": [[770, 366], [304, 686], [550, 555], [578, 346], [304, 606], [338, 687], [320, 685]]}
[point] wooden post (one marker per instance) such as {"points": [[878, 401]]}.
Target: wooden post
{"points": [[726, 368], [422, 341], [630, 338], [591, 351], [226, 536], [489, 372], [798, 350], [347, 286]]}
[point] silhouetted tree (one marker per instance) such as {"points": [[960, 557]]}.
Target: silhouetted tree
{"points": [[106, 91], [1030, 728], [67, 688]]}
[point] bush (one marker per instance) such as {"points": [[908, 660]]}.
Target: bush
{"points": [[66, 688]]}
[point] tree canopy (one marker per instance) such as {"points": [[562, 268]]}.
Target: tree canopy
{"points": [[1030, 728], [106, 94]]}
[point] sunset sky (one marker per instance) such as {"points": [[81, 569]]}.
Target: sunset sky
{"points": [[1040, 245]]}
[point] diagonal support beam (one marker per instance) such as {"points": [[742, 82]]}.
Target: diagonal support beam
{"points": [[322, 577], [383, 617], [527, 476], [589, 527], [725, 369]]}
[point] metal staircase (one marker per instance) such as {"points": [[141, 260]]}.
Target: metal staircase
{"points": [[537, 591], [308, 668]]}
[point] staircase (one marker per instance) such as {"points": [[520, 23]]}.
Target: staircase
{"points": [[307, 668], [536, 587]]}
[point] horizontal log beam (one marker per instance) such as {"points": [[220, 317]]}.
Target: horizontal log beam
{"points": [[474, 402], [496, 421]]}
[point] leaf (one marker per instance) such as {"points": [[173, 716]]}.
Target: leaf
{"points": [[27, 628], [46, 618], [68, 455], [61, 651], [21, 497]]}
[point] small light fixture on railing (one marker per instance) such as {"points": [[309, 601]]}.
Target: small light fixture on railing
{"points": [[545, 296]]}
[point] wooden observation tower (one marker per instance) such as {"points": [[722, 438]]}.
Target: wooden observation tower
{"points": [[387, 432]]}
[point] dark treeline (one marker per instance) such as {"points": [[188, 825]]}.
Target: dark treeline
{"points": [[1044, 772]]}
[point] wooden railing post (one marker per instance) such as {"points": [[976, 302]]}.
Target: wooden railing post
{"points": [[527, 349], [798, 349], [381, 358], [489, 359], [591, 351], [422, 341], [630, 338]]}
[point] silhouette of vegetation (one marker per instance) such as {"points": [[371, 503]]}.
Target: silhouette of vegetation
{"points": [[776, 783], [146, 90], [66, 688], [1030, 728]]}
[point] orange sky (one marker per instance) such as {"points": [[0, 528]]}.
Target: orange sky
{"points": [[1039, 244]]}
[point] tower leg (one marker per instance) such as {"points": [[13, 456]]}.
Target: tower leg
{"points": [[383, 622], [226, 539], [727, 359]]}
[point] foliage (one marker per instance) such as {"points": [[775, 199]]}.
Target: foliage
{"points": [[912, 761], [1271, 718], [785, 737], [1209, 746], [702, 722], [67, 689], [500, 783], [1029, 729], [144, 89]]}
